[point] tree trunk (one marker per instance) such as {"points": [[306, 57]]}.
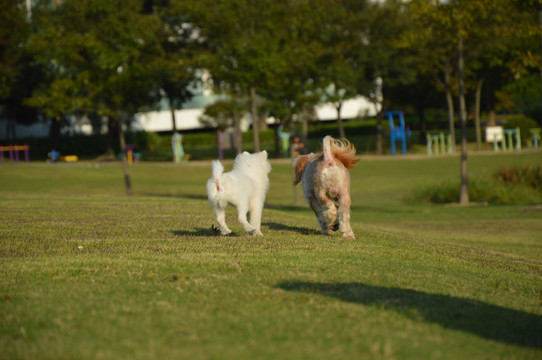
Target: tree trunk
{"points": [[338, 106], [305, 124], [420, 111], [122, 142], [450, 103], [540, 24], [173, 121], [255, 120], [491, 118], [379, 134], [451, 119], [111, 128], [237, 136], [464, 194], [11, 124], [54, 130], [296, 188], [477, 114], [263, 122]]}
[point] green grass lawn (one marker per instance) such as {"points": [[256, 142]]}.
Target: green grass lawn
{"points": [[88, 273]]}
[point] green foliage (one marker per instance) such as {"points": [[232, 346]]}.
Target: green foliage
{"points": [[530, 176], [14, 30], [153, 140], [480, 191], [99, 55], [521, 96], [221, 114]]}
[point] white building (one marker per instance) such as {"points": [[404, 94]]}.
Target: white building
{"points": [[188, 118]]}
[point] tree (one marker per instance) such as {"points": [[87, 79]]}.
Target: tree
{"points": [[389, 66], [225, 114], [431, 37], [15, 64], [345, 56], [240, 36], [14, 29], [176, 70], [297, 77], [478, 34], [99, 53]]}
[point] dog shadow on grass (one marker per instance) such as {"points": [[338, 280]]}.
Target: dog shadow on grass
{"points": [[198, 231], [488, 321], [213, 231], [290, 228], [179, 196]]}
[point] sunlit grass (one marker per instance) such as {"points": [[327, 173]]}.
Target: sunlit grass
{"points": [[89, 273]]}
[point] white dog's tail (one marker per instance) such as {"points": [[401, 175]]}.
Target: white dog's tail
{"points": [[216, 169], [215, 187]]}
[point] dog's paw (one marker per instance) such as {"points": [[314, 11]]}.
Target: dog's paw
{"points": [[249, 228], [256, 232], [225, 232], [349, 235]]}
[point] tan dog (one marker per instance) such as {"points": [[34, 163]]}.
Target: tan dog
{"points": [[326, 184]]}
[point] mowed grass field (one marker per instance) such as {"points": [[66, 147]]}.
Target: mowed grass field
{"points": [[89, 273]]}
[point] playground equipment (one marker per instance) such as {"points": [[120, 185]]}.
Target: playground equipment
{"points": [[14, 153], [535, 137], [284, 141], [400, 132], [131, 155], [509, 132], [177, 145], [439, 142], [225, 140], [506, 137], [495, 135]]}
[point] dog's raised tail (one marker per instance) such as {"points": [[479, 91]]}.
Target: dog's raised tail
{"points": [[216, 169], [216, 173], [340, 149]]}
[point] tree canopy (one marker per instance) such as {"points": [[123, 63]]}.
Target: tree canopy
{"points": [[282, 57]]}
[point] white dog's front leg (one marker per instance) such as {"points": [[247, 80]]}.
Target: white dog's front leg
{"points": [[256, 209], [221, 218]]}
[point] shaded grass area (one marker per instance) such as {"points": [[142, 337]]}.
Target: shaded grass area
{"points": [[88, 273], [485, 320]]}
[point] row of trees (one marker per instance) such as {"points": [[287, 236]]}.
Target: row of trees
{"points": [[279, 57]]}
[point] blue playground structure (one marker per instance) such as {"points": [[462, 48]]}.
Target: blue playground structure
{"points": [[399, 132]]}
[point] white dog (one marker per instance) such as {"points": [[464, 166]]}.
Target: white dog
{"points": [[245, 187], [326, 184]]}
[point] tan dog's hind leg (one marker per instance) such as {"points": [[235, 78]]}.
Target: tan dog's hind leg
{"points": [[344, 217], [316, 206], [330, 214]]}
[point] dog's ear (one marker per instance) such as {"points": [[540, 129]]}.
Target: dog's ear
{"points": [[299, 165], [264, 153]]}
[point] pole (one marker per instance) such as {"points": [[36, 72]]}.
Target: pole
{"points": [[464, 194]]}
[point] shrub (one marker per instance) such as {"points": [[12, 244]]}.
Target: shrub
{"points": [[520, 175], [480, 190]]}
